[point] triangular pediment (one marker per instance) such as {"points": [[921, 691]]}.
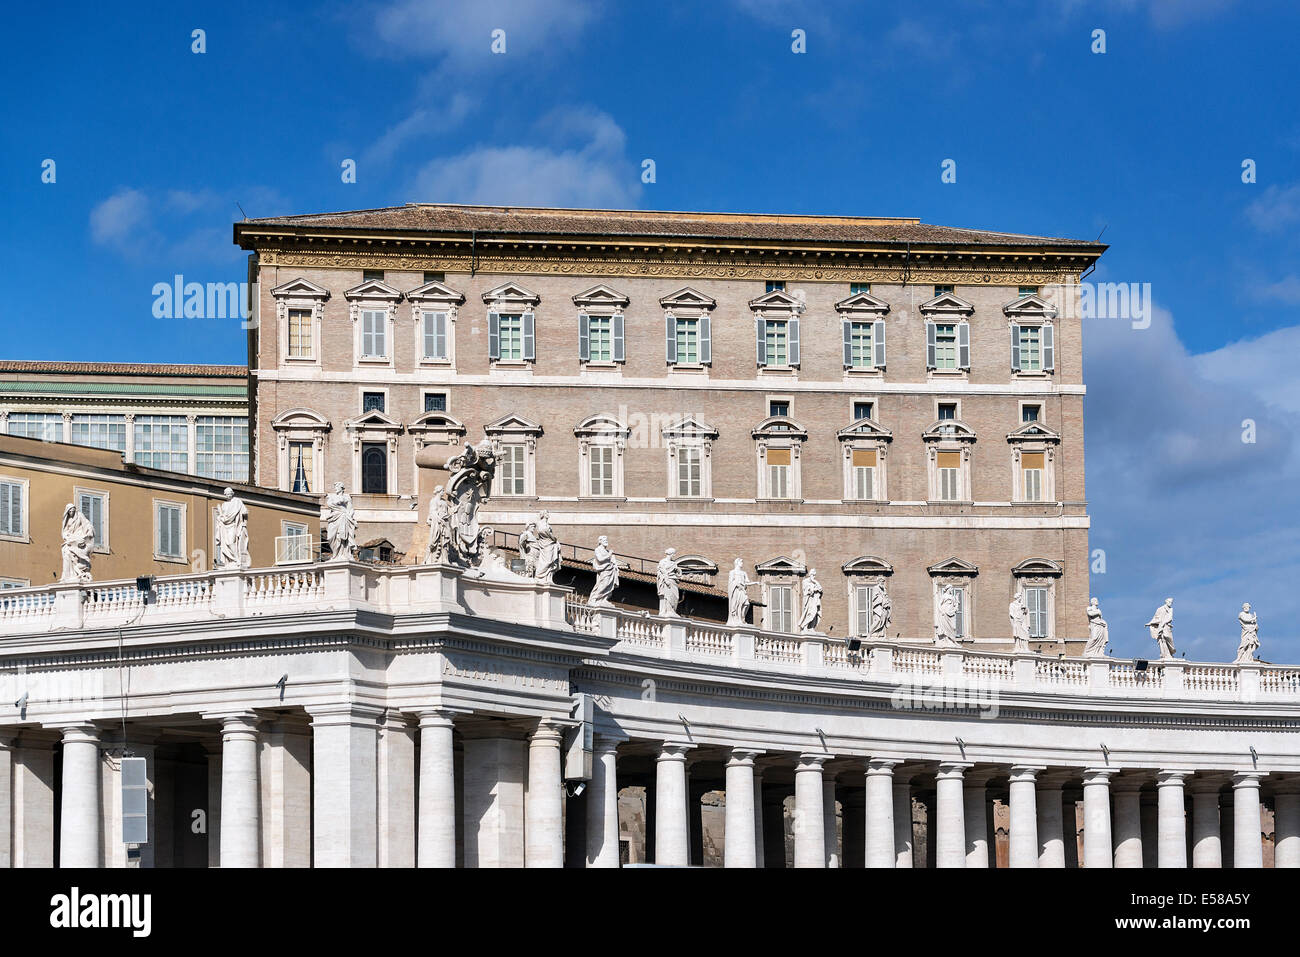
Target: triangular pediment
{"points": [[781, 565], [600, 295], [949, 429], [687, 298], [511, 292], [779, 425], [690, 426], [300, 289], [863, 302], [373, 289], [1033, 432], [865, 429], [374, 419], [953, 566], [435, 291], [777, 299], [1030, 306], [512, 424], [948, 302], [867, 565]]}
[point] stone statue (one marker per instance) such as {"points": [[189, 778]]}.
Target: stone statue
{"points": [[605, 565], [78, 543], [340, 520], [812, 604], [882, 612], [945, 625], [440, 527], [738, 594], [1161, 627], [529, 545], [1019, 615], [548, 550], [1098, 632], [1249, 635], [667, 577], [232, 532]]}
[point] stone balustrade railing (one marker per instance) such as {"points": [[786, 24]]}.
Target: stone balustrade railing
{"points": [[350, 586]]}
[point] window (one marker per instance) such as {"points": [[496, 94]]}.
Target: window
{"points": [[1031, 468], [13, 509], [774, 285], [435, 276], [778, 407], [1027, 291], [372, 402], [163, 442], [860, 350], [947, 410], [948, 465], [435, 334], [510, 470], [864, 473], [947, 332], [7, 583], [780, 609], [863, 410], [295, 543], [94, 505], [1036, 600], [374, 468], [169, 530], [943, 290], [435, 402], [374, 343], [372, 274], [511, 338], [1030, 354], [959, 591], [945, 345], [601, 458], [600, 338], [778, 473], [48, 427], [690, 472], [301, 462], [859, 287], [864, 598], [777, 343], [1030, 413], [1033, 347], [221, 448], [684, 342], [99, 431], [300, 334]]}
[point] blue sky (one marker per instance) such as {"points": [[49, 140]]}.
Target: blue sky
{"points": [[154, 145]]}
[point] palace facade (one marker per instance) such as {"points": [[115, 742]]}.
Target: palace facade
{"points": [[890, 403]]}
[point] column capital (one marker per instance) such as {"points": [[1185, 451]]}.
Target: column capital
{"points": [[547, 733], [742, 757], [1020, 773], [80, 732], [606, 743], [949, 770], [812, 761], [345, 712], [436, 718], [1169, 778], [882, 766], [1248, 779], [674, 751], [1099, 775]]}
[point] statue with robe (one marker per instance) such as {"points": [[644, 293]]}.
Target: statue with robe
{"points": [[440, 527], [738, 602], [605, 565], [812, 604], [1018, 612], [1098, 632], [1249, 635], [667, 578], [1161, 627], [78, 543], [529, 546], [945, 625], [882, 611], [548, 550], [340, 520], [232, 532]]}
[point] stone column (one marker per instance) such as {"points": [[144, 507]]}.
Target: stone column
{"points": [[1248, 847], [602, 805], [285, 772], [1023, 802], [240, 814], [543, 801], [760, 846], [493, 792], [950, 817], [809, 808], [79, 828], [903, 819], [882, 830], [739, 848], [395, 774], [437, 811], [976, 812], [1172, 825], [1206, 848], [1096, 818], [828, 821], [33, 800], [1286, 824], [1128, 821], [6, 799], [345, 739], [672, 840], [1051, 834]]}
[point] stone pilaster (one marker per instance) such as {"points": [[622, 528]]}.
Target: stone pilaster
{"points": [[345, 740], [395, 774]]}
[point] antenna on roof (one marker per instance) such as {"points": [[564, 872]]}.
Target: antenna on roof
{"points": [[241, 209], [1103, 229]]}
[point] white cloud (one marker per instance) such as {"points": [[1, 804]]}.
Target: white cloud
{"points": [[460, 31], [1277, 209], [1286, 290], [596, 172], [420, 124], [119, 218]]}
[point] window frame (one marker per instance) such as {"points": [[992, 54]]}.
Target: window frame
{"points": [[181, 557], [104, 547], [607, 434], [299, 294], [689, 434], [434, 297], [24, 534], [688, 304]]}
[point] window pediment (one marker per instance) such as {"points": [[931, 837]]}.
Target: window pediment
{"points": [[697, 566], [1030, 307], [947, 304], [953, 566], [688, 298], [949, 429], [1033, 432], [867, 565], [511, 293], [373, 290], [373, 421], [436, 293], [779, 427], [300, 289], [690, 427], [601, 426], [1037, 568], [865, 429], [601, 296], [436, 422], [863, 304], [781, 565], [778, 300], [512, 425]]}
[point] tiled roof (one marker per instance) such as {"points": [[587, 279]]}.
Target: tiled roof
{"points": [[493, 221], [122, 368]]}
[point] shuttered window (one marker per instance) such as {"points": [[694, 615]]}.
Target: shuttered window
{"points": [[11, 509], [374, 341], [300, 334], [602, 469], [864, 473], [1036, 600], [1031, 469], [690, 474], [95, 507], [778, 473], [169, 530], [948, 466], [510, 467], [435, 335], [780, 610]]}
